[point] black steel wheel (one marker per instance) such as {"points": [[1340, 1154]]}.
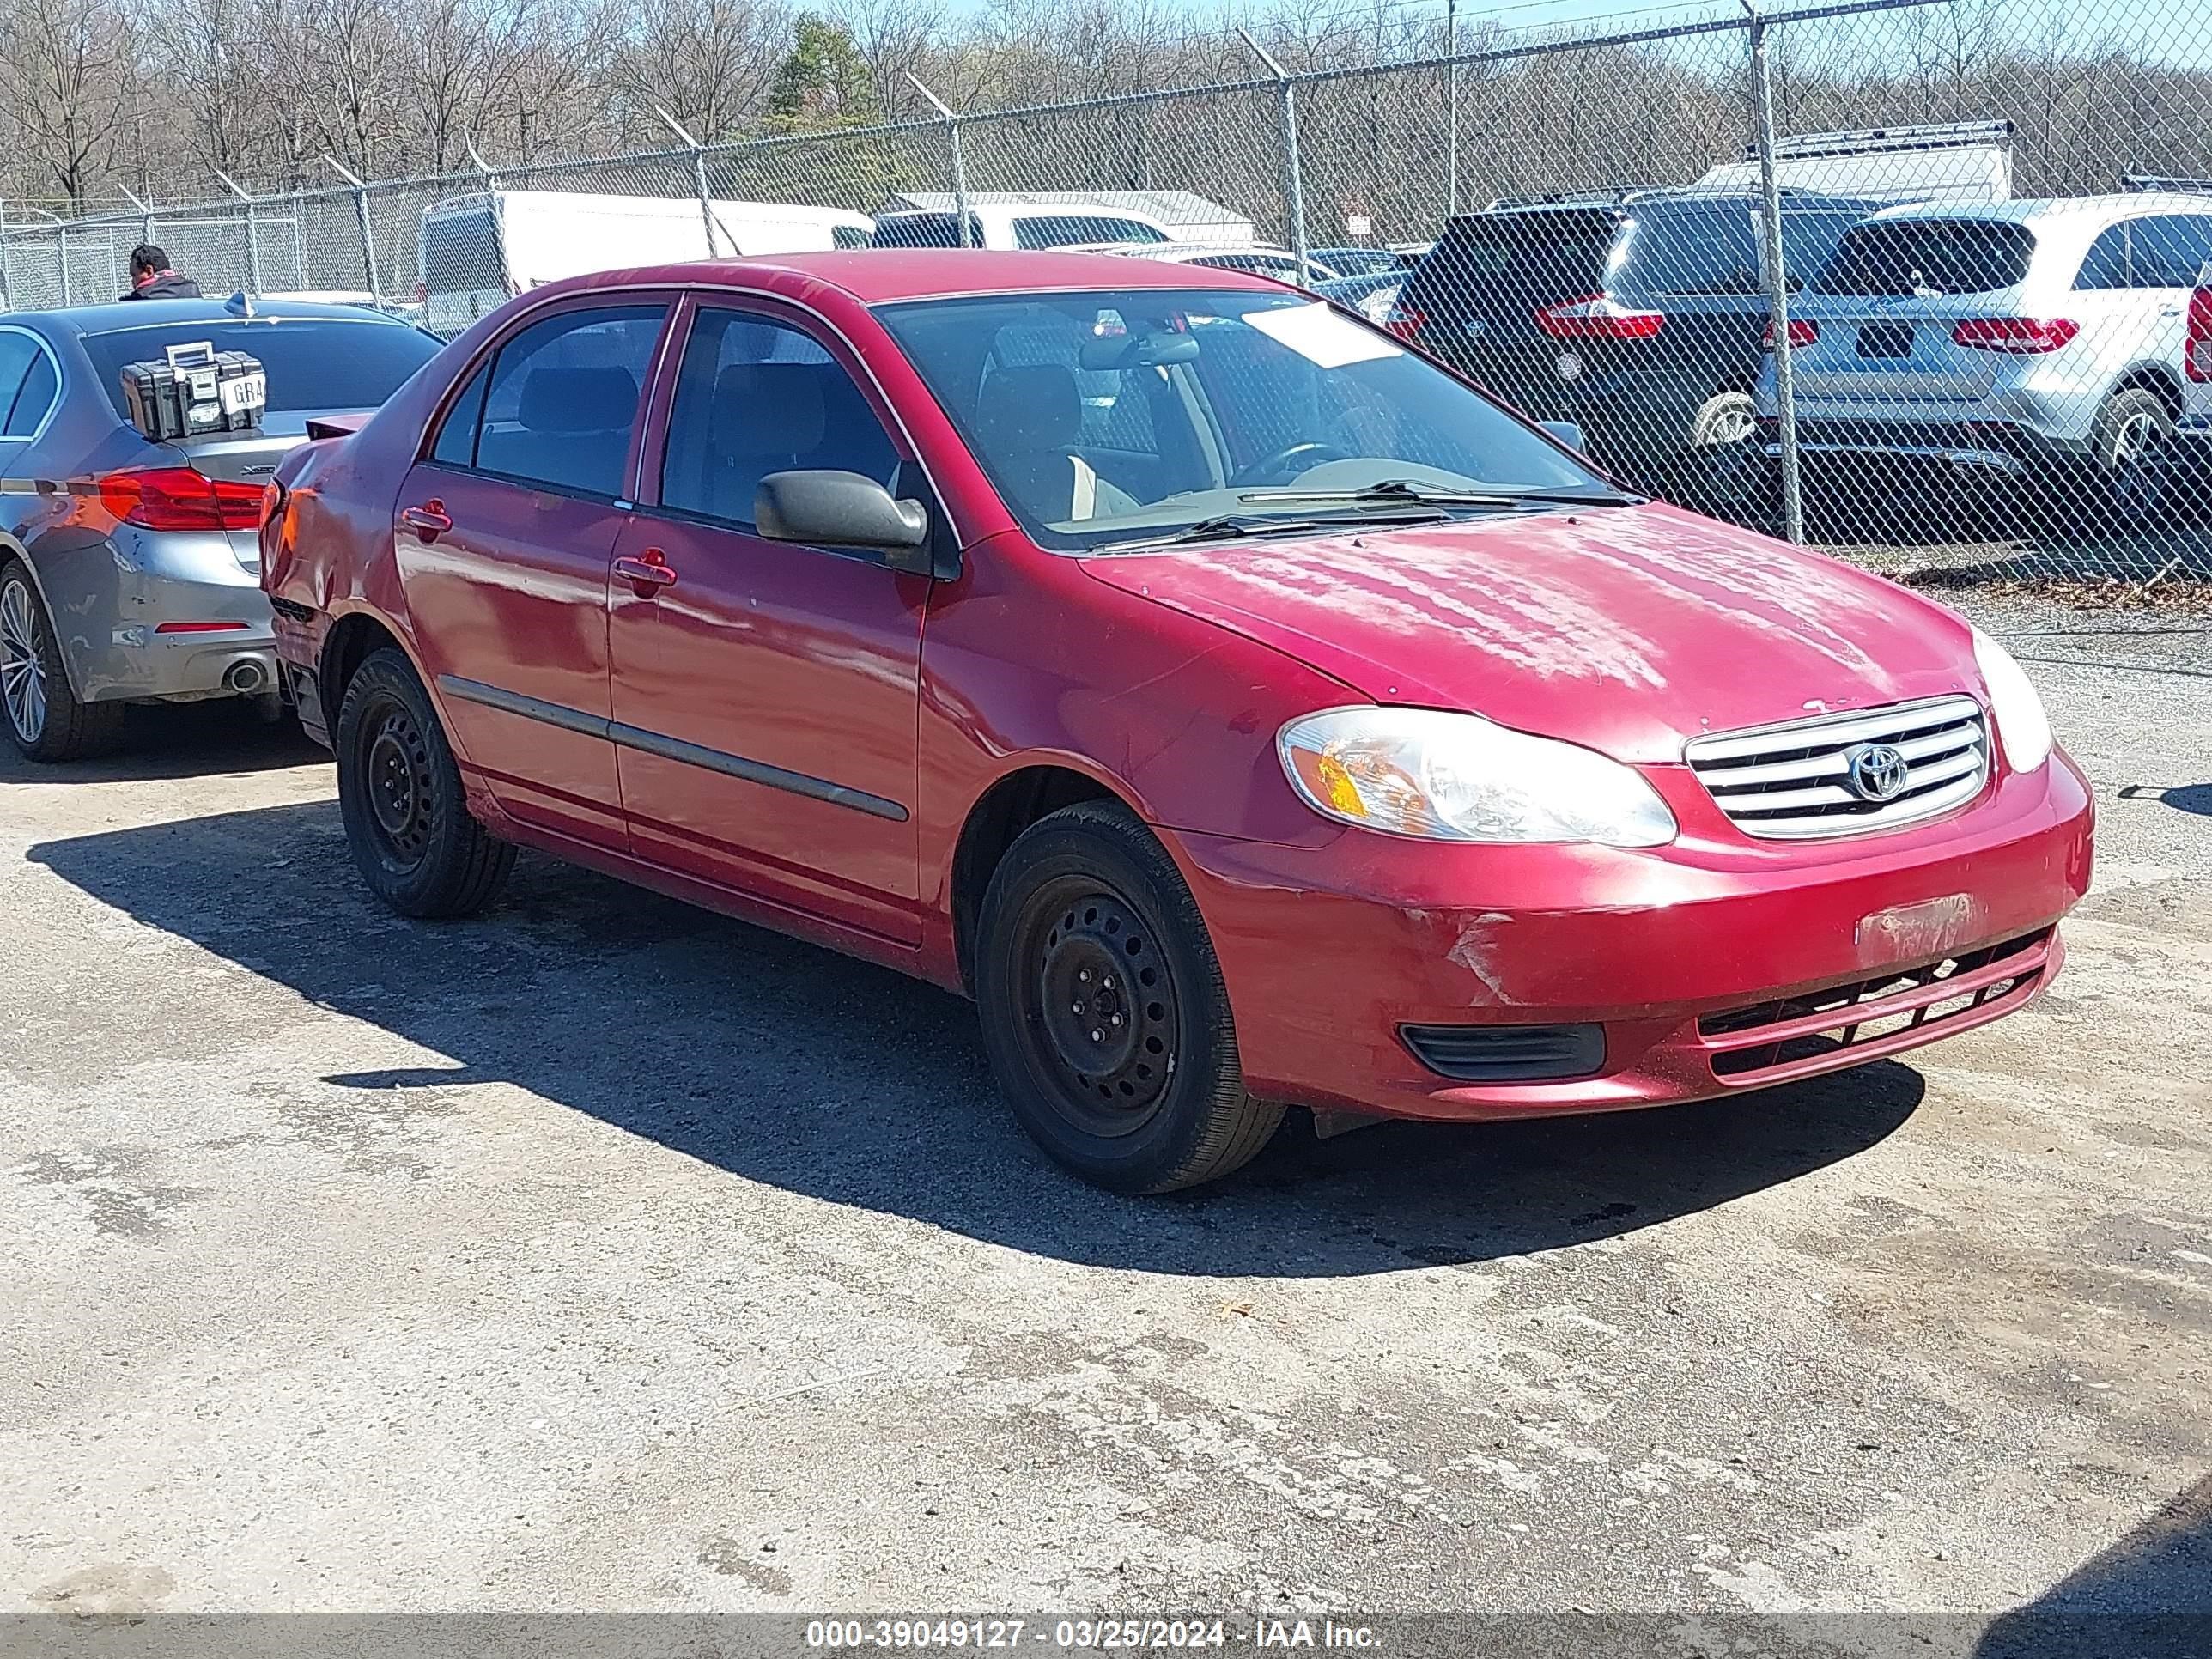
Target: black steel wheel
{"points": [[399, 791], [1103, 1010]]}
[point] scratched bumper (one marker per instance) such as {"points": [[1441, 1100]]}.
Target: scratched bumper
{"points": [[1328, 952]]}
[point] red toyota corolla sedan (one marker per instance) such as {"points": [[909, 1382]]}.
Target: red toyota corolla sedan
{"points": [[1241, 708]]}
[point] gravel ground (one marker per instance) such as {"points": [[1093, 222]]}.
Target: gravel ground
{"points": [[605, 1254]]}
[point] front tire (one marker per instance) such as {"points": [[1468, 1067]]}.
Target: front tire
{"points": [[45, 720], [399, 791], [1103, 1011]]}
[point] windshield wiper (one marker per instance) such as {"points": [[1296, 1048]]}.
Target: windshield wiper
{"points": [[1404, 490], [1229, 527]]}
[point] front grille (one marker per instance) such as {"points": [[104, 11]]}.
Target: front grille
{"points": [[1508, 1053], [1793, 783], [1767, 1036]]}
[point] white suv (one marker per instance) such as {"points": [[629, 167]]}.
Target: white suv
{"points": [[2021, 337]]}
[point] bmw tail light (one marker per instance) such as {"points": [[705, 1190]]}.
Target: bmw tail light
{"points": [[1597, 317], [1801, 334], [2026, 336], [2196, 355], [179, 498]]}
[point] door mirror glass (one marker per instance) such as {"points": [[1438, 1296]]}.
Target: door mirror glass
{"points": [[826, 508]]}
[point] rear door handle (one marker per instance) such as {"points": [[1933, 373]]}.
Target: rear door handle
{"points": [[428, 521], [647, 573]]}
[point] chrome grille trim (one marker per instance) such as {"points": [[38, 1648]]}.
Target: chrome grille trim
{"points": [[1786, 783]]}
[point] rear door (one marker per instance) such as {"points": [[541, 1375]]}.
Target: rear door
{"points": [[765, 694], [1889, 301], [505, 530]]}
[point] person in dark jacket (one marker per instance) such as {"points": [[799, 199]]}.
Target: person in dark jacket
{"points": [[152, 279]]}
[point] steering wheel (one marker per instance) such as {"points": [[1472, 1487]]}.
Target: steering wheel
{"points": [[1268, 466]]}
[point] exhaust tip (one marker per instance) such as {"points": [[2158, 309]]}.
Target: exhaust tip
{"points": [[244, 677]]}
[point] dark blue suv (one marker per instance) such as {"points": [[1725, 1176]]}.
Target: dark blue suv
{"points": [[1640, 316]]}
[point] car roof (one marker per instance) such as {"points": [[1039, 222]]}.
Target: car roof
{"points": [[2125, 205], [116, 315], [878, 275]]}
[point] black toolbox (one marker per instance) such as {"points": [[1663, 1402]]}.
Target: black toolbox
{"points": [[195, 389]]}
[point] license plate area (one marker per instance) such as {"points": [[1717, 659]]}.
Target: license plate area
{"points": [[1890, 340]]}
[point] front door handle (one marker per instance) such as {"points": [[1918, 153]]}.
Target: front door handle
{"points": [[428, 521], [647, 573]]}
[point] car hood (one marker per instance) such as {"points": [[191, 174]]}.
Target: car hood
{"points": [[1626, 630]]}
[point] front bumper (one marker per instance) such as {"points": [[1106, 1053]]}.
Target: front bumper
{"points": [[1712, 965]]}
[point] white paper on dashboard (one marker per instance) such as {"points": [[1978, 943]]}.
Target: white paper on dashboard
{"points": [[1323, 335]]}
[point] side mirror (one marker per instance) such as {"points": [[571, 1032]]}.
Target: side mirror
{"points": [[1568, 434], [843, 509]]}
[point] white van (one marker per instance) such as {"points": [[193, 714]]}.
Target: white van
{"points": [[479, 251]]}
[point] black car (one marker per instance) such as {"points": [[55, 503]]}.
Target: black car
{"points": [[1640, 316]]}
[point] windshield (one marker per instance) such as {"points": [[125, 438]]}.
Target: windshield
{"points": [[1927, 258], [1108, 416], [315, 365]]}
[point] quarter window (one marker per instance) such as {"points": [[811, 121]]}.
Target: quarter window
{"points": [[755, 396], [561, 400], [18, 351], [33, 398]]}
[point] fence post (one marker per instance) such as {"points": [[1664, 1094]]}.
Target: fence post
{"points": [[959, 162], [1451, 109], [1294, 188], [707, 214], [7, 286], [61, 252], [1778, 280], [252, 232], [145, 213], [368, 231]]}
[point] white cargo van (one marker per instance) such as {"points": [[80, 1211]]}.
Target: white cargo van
{"points": [[479, 251]]}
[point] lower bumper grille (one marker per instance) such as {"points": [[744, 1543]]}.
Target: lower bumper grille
{"points": [[1508, 1053], [1791, 1036]]}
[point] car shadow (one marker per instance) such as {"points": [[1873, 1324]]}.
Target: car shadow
{"points": [[790, 1065], [179, 740], [2149, 1597]]}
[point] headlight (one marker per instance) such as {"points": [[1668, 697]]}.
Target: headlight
{"points": [[1457, 777], [2021, 723]]}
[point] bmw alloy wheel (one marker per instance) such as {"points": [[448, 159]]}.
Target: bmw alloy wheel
{"points": [[22, 674]]}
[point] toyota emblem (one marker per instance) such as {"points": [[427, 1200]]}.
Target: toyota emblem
{"points": [[1875, 771]]}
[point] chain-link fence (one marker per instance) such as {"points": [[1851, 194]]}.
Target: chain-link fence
{"points": [[1910, 279]]}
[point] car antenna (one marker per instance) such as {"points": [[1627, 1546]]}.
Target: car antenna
{"points": [[238, 305]]}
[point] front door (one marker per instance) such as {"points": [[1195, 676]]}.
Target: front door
{"points": [[504, 532], [765, 694]]}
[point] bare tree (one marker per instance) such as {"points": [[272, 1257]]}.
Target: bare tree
{"points": [[66, 71]]}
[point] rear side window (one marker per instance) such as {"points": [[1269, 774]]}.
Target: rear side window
{"points": [[314, 364], [1713, 250], [457, 438], [562, 398], [18, 351], [2105, 265], [925, 230], [1042, 230], [1928, 257]]}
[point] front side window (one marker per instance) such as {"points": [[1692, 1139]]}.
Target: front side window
{"points": [[1106, 415], [755, 396], [561, 400]]}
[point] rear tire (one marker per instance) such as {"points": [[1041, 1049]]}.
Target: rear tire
{"points": [[45, 720], [1104, 1010], [399, 791], [2133, 428]]}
